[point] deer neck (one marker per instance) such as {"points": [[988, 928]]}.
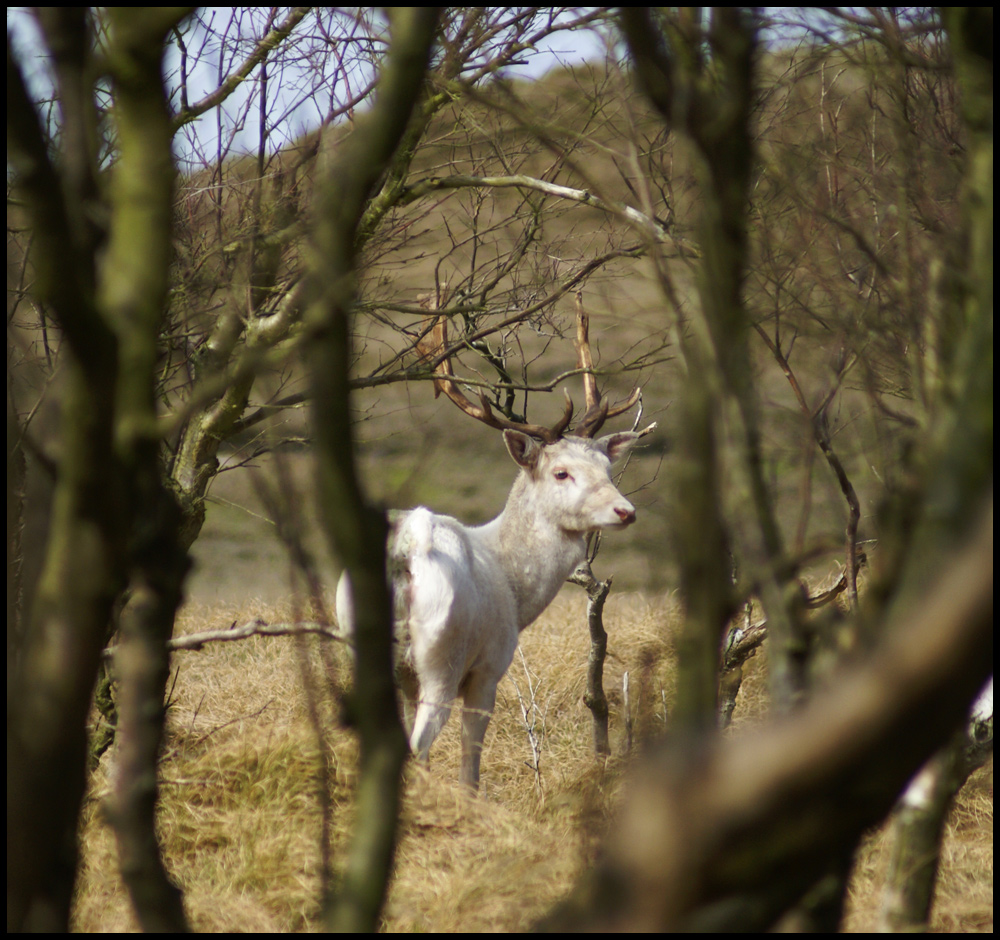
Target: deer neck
{"points": [[535, 554]]}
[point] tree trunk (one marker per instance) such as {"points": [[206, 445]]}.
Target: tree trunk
{"points": [[49, 697], [357, 529], [108, 473]]}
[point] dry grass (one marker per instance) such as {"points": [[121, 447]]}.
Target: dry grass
{"points": [[240, 817]]}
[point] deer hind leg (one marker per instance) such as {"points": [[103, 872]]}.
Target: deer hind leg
{"points": [[406, 679], [432, 713], [479, 696]]}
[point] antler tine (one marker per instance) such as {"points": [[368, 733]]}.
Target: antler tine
{"points": [[624, 406], [563, 423], [593, 420], [586, 360], [483, 412], [598, 409]]}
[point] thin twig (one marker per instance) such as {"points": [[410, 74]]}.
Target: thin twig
{"points": [[532, 709]]}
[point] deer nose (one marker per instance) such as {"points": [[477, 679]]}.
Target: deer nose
{"points": [[627, 516]]}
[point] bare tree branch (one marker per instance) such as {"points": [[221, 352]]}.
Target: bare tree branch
{"points": [[264, 46]]}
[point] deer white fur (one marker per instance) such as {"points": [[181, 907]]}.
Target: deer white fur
{"points": [[463, 594]]}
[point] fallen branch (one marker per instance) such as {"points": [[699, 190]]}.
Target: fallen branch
{"points": [[195, 641]]}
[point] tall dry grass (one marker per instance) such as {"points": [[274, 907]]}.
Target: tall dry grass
{"points": [[241, 821]]}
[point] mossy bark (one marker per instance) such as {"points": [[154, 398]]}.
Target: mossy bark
{"points": [[108, 518], [357, 528], [50, 688]]}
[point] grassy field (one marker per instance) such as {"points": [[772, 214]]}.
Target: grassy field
{"points": [[241, 820]]}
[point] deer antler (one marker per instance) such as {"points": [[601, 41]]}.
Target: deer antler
{"points": [[598, 410], [434, 344]]}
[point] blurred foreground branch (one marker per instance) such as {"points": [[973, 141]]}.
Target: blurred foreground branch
{"points": [[919, 820], [728, 835]]}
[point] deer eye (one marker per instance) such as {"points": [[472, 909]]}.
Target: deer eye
{"points": [[561, 474]]}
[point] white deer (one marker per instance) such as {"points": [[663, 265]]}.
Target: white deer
{"points": [[463, 594]]}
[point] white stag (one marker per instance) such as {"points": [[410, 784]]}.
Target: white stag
{"points": [[464, 593]]}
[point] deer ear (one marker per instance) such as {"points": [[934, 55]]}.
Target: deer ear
{"points": [[618, 445], [523, 449]]}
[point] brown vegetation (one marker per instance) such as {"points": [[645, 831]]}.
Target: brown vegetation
{"points": [[240, 820]]}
